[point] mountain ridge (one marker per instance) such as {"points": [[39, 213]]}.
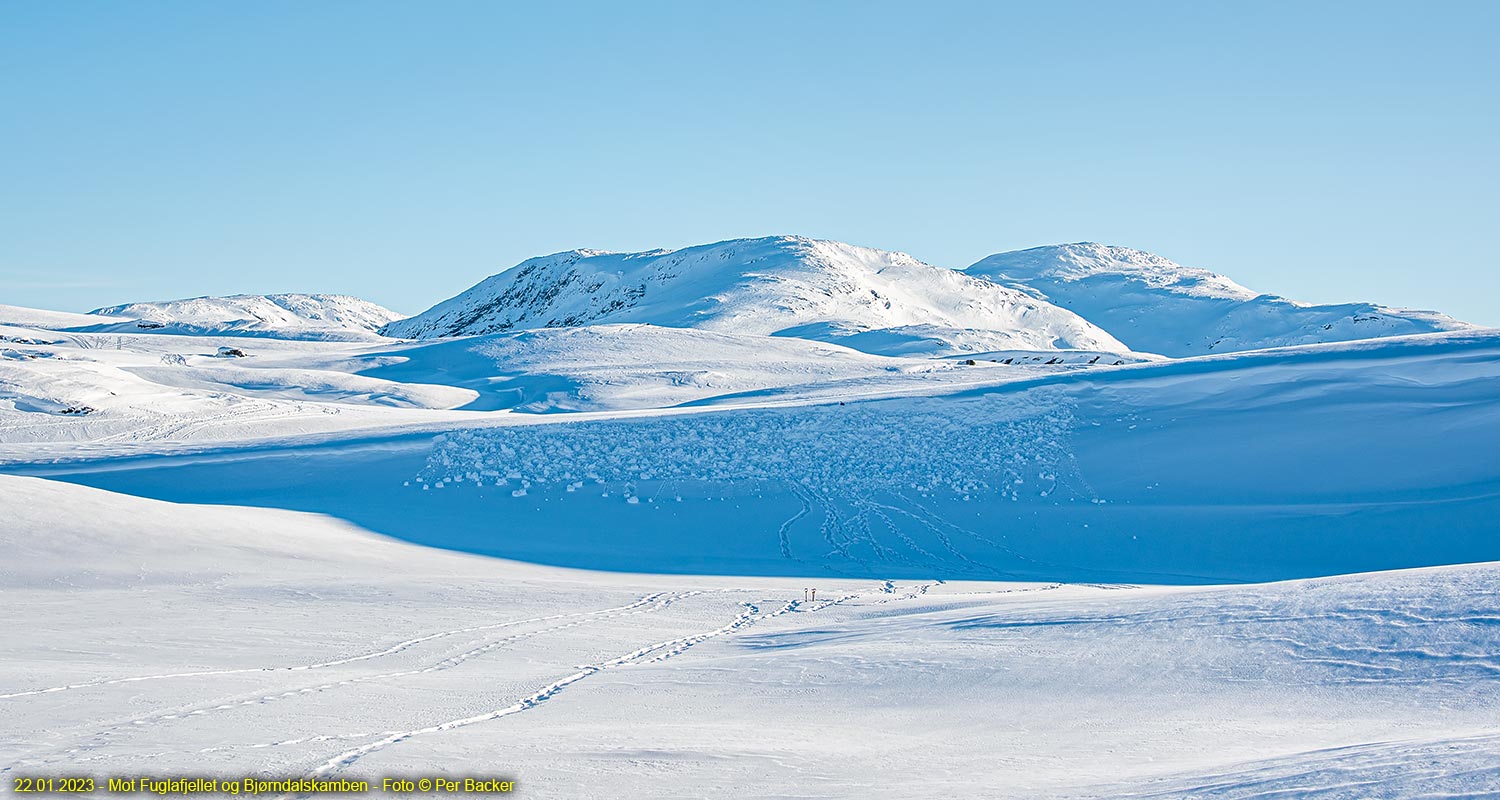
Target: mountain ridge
{"points": [[779, 285], [1156, 305], [288, 314]]}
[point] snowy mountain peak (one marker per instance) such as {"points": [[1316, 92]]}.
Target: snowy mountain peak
{"points": [[1156, 305], [786, 285], [295, 316], [1083, 260]]}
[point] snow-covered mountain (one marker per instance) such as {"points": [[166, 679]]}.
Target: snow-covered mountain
{"points": [[883, 530], [1155, 305], [871, 300], [290, 316]]}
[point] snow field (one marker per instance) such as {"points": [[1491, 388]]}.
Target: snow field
{"points": [[231, 640], [832, 451]]}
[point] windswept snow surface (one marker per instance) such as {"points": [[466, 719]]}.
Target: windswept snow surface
{"points": [[612, 367], [1269, 465], [1042, 571], [784, 285], [639, 367], [98, 392], [1158, 306], [155, 638], [150, 390], [1221, 469], [286, 316]]}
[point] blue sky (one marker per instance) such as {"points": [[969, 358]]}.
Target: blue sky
{"points": [[403, 151]]}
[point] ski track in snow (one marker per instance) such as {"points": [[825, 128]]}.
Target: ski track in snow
{"points": [[783, 534], [648, 604], [660, 651], [664, 600], [391, 650]]}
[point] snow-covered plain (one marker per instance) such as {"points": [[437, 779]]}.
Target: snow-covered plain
{"points": [[575, 551], [205, 639]]}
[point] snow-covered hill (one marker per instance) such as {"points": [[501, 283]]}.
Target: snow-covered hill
{"points": [[782, 285], [42, 319], [1158, 306], [287, 316]]}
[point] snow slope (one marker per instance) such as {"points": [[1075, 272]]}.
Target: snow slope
{"points": [[155, 638], [19, 316], [785, 285], [638, 367], [1272, 464], [148, 389], [1155, 305], [286, 316], [629, 366], [239, 598]]}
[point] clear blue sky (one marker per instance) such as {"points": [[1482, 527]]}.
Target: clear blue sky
{"points": [[403, 151]]}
